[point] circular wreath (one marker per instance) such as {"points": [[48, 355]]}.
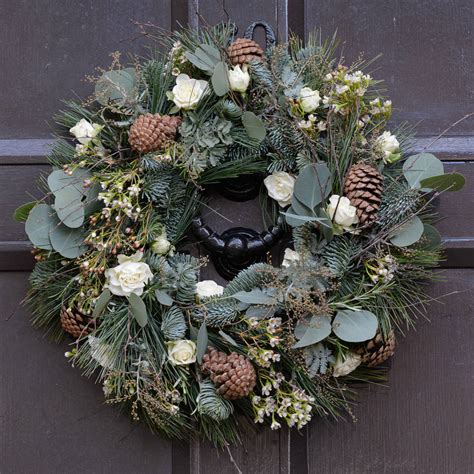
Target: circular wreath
{"points": [[279, 344]]}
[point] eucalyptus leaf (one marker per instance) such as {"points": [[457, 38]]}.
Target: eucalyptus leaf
{"points": [[444, 182], [69, 207], [313, 185], [202, 342], [227, 338], [163, 298], [431, 237], [255, 296], [116, 86], [312, 330], [295, 220], [138, 309], [38, 224], [259, 312], [419, 167], [408, 233], [299, 208], [211, 51], [220, 79], [59, 180], [254, 127], [355, 326], [67, 242], [22, 212], [101, 303]]}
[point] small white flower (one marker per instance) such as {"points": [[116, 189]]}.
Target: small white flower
{"points": [[161, 245], [342, 212], [239, 78], [130, 276], [309, 99], [275, 425], [85, 131], [346, 366], [182, 352], [280, 187], [341, 89], [208, 288], [188, 92], [290, 257], [388, 145]]}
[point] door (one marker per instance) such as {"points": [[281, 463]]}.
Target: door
{"points": [[54, 421]]}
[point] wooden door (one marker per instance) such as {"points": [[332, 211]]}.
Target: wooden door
{"points": [[53, 421]]}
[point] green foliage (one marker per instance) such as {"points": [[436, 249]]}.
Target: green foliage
{"points": [[179, 277], [407, 233], [159, 80], [317, 358], [209, 403], [217, 313], [338, 255], [173, 324]]}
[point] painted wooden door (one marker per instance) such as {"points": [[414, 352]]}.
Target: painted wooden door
{"points": [[53, 421]]}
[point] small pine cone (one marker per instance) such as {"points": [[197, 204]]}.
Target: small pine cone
{"points": [[378, 350], [233, 374], [75, 322], [243, 50], [364, 187], [152, 132]]}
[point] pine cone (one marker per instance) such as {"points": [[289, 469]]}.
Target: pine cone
{"points": [[243, 50], [378, 350], [75, 322], [152, 132], [233, 374], [364, 187]]}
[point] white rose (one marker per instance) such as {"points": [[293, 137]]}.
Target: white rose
{"points": [[388, 145], [85, 131], [182, 352], [239, 79], [280, 187], [346, 366], [161, 245], [309, 99], [208, 288], [188, 92], [342, 212], [290, 257], [130, 276]]}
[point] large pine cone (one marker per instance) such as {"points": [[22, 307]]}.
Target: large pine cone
{"points": [[243, 50], [233, 374], [378, 350], [76, 323], [364, 187], [151, 132]]}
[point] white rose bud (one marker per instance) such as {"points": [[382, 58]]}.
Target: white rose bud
{"points": [[346, 366], [161, 245], [280, 187], [208, 288], [389, 146], [85, 131], [290, 257], [182, 352], [188, 92], [342, 212], [309, 99], [239, 79], [130, 276]]}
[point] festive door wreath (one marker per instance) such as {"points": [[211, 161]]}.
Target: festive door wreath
{"points": [[278, 344]]}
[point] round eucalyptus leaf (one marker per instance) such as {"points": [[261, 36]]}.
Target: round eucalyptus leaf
{"points": [[69, 207], [313, 185], [312, 330], [38, 224], [67, 242], [355, 326], [419, 167], [409, 233], [220, 79], [253, 126], [431, 237], [299, 208], [444, 182]]}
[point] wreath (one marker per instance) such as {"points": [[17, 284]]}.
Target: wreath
{"points": [[114, 235]]}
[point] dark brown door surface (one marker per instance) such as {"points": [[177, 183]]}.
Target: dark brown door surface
{"points": [[54, 421]]}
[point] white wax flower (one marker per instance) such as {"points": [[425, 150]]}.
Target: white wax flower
{"points": [[388, 145], [346, 366], [182, 352], [239, 78], [130, 276], [290, 257], [309, 99], [188, 92], [208, 288], [85, 131], [342, 212], [280, 187]]}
